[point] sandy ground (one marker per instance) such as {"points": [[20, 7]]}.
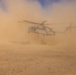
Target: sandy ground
{"points": [[56, 55], [36, 60]]}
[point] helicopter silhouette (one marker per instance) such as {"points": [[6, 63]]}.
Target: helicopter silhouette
{"points": [[40, 28]]}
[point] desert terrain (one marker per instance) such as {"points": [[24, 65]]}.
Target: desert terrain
{"points": [[32, 54], [56, 58]]}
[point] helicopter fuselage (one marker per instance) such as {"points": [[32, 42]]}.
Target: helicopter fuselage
{"points": [[40, 29]]}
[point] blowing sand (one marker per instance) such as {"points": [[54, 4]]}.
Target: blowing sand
{"points": [[32, 59], [30, 54]]}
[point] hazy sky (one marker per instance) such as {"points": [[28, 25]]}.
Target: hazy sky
{"points": [[47, 8], [4, 4], [52, 11], [45, 3]]}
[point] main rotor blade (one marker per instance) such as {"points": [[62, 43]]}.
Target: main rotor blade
{"points": [[55, 24], [29, 22], [40, 23]]}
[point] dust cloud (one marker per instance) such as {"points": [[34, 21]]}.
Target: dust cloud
{"points": [[23, 53], [12, 30]]}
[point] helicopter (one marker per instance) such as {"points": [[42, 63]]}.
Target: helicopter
{"points": [[39, 28], [42, 28]]}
